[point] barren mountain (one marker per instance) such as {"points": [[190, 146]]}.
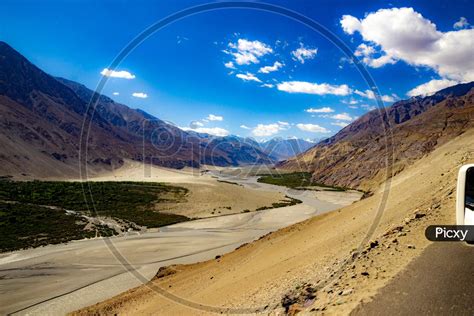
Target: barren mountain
{"points": [[41, 125], [360, 155]]}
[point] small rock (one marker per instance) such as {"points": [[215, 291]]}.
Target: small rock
{"points": [[308, 302], [402, 234], [365, 273], [411, 246], [395, 240], [419, 215], [346, 292]]}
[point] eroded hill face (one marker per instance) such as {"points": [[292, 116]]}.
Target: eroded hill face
{"points": [[42, 119], [358, 156]]}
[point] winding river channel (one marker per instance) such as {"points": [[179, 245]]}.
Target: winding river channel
{"points": [[57, 279]]}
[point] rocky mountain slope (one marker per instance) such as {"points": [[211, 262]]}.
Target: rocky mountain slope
{"points": [[41, 124], [381, 142]]}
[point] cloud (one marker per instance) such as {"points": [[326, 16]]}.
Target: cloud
{"points": [[342, 117], [229, 65], [431, 87], [212, 117], [140, 95], [115, 93], [313, 128], [461, 24], [340, 124], [267, 69], [117, 74], [216, 131], [301, 54], [246, 52], [195, 124], [313, 88], [350, 24], [320, 110], [368, 107], [404, 34], [244, 126], [369, 94], [368, 53], [267, 85], [270, 129], [351, 102], [248, 77]]}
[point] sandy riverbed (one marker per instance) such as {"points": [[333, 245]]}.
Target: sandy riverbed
{"points": [[61, 278]]}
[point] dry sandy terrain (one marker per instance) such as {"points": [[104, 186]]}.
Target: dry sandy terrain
{"points": [[314, 258], [61, 278], [207, 196]]}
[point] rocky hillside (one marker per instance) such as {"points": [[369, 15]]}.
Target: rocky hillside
{"points": [[361, 154], [41, 120]]}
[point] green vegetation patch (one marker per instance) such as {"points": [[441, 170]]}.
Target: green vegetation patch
{"points": [[295, 180], [289, 201], [29, 209], [23, 226]]}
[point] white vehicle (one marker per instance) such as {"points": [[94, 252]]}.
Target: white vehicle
{"points": [[465, 196]]}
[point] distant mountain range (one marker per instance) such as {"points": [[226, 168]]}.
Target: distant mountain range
{"points": [[41, 120], [42, 117], [357, 156], [280, 148]]}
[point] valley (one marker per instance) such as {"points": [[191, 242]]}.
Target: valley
{"points": [[62, 278], [234, 164]]}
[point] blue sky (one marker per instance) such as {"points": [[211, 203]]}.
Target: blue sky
{"points": [[245, 72]]}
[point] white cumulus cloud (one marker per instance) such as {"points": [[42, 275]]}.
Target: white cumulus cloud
{"points": [[431, 87], [340, 124], [320, 110], [262, 130], [369, 94], [229, 65], [313, 88], [244, 126], [303, 53], [461, 24], [313, 128], [212, 117], [246, 52], [404, 34], [248, 77], [117, 74], [195, 124], [115, 93], [267, 69], [140, 95], [342, 117]]}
